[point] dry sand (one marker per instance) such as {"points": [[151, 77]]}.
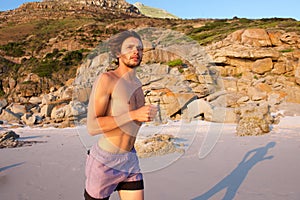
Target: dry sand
{"points": [[246, 168]]}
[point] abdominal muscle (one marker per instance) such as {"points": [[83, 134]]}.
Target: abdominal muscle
{"points": [[117, 141]]}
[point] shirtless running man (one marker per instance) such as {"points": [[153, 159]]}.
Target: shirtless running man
{"points": [[116, 110]]}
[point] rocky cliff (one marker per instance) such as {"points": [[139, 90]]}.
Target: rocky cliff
{"points": [[52, 51], [250, 65], [221, 82], [55, 9]]}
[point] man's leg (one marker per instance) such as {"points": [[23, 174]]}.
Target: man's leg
{"points": [[133, 190], [131, 194]]}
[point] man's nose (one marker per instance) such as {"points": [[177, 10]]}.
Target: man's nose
{"points": [[136, 50]]}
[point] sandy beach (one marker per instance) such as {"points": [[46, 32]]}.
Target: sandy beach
{"points": [[247, 168]]}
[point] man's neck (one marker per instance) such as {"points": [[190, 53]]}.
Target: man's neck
{"points": [[126, 72]]}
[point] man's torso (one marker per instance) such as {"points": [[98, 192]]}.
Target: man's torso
{"points": [[125, 96]]}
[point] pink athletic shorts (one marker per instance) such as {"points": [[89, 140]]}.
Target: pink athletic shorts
{"points": [[107, 172]]}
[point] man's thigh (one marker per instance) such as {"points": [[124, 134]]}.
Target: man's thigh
{"points": [[131, 194]]}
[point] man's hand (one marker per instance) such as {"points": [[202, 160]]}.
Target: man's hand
{"points": [[144, 114]]}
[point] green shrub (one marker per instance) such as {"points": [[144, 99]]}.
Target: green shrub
{"points": [[2, 93], [46, 68], [72, 58], [13, 49], [27, 82], [174, 63], [245, 20], [52, 62], [97, 32], [286, 50], [55, 54], [211, 25]]}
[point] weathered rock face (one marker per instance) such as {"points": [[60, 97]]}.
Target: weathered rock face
{"points": [[255, 37], [254, 119], [8, 116], [56, 9], [102, 3], [171, 86], [226, 82], [56, 109], [120, 5], [251, 64], [260, 64]]}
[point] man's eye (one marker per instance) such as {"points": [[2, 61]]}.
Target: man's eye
{"points": [[133, 47]]}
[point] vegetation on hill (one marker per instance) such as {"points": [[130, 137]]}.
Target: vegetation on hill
{"points": [[218, 29], [154, 12]]}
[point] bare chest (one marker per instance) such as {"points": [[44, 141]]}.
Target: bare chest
{"points": [[126, 97]]}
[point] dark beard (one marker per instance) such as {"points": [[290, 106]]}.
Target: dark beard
{"points": [[132, 66]]}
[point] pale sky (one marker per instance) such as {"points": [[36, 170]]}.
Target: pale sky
{"points": [[218, 9]]}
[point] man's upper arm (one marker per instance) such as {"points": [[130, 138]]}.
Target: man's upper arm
{"points": [[98, 103], [101, 95]]}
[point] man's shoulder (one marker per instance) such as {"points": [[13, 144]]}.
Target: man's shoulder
{"points": [[105, 81], [108, 76]]}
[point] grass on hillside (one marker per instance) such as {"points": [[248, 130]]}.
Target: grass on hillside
{"points": [[155, 12], [32, 36], [219, 29]]}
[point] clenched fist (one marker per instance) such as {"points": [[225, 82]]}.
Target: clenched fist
{"points": [[144, 114]]}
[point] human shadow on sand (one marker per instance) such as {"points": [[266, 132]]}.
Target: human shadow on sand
{"points": [[233, 181]]}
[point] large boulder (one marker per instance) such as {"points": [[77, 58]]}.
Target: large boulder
{"points": [[223, 115], [8, 139], [256, 37], [9, 116], [199, 107], [157, 145], [254, 119], [18, 109], [262, 66], [29, 119], [3, 103], [202, 108]]}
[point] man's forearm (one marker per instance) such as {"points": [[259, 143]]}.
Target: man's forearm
{"points": [[99, 125]]}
